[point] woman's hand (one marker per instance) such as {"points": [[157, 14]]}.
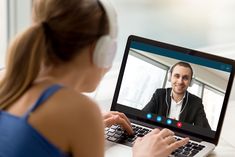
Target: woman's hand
{"points": [[113, 117], [157, 144]]}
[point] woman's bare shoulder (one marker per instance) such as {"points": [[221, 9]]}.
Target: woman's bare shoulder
{"points": [[83, 121], [72, 117], [70, 99], [70, 103]]}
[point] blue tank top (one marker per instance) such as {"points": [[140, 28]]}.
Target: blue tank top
{"points": [[19, 139]]}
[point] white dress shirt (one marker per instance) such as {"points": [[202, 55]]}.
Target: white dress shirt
{"points": [[175, 108]]}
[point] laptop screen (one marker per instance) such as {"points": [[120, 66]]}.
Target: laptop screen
{"points": [[169, 86]]}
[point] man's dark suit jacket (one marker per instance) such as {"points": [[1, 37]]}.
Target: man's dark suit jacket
{"points": [[193, 112]]}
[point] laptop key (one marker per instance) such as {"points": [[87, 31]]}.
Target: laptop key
{"points": [[186, 153], [201, 146], [197, 148], [112, 130], [113, 139], [110, 133], [146, 129], [141, 131], [119, 132], [114, 127], [116, 135], [140, 135], [180, 155], [187, 149], [194, 152]]}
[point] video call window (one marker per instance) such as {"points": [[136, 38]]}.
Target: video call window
{"points": [[142, 76], [145, 72]]}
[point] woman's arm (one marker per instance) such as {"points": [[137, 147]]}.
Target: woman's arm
{"points": [[87, 136]]}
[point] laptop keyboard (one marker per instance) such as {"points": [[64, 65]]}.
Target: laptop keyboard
{"points": [[116, 134]]}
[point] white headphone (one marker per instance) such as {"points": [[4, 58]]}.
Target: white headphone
{"points": [[168, 106], [106, 45]]}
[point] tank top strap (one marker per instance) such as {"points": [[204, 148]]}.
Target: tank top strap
{"points": [[43, 97]]}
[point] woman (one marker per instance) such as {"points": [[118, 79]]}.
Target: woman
{"points": [[43, 111]]}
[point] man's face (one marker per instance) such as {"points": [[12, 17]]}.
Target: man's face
{"points": [[180, 79]]}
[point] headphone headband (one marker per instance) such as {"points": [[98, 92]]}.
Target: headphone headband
{"points": [[106, 45], [111, 16]]}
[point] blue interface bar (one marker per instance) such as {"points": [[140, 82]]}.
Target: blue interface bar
{"points": [[181, 56]]}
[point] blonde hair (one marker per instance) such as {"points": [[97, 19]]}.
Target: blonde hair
{"points": [[61, 28]]}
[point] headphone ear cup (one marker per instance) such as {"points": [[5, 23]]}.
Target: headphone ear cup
{"points": [[104, 52], [169, 76], [191, 82]]}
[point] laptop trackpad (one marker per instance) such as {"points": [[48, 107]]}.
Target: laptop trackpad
{"points": [[117, 150]]}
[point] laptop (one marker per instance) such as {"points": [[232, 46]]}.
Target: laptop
{"points": [[144, 69]]}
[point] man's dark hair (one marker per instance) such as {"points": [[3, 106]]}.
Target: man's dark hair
{"points": [[184, 64]]}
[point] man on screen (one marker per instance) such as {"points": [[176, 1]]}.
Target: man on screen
{"points": [[176, 102]]}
